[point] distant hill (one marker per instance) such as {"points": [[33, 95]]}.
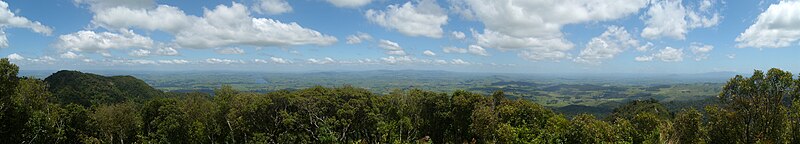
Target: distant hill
{"points": [[88, 89]]}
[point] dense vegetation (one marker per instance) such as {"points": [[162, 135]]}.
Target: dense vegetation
{"points": [[74, 107]]}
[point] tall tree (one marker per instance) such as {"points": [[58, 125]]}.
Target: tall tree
{"points": [[759, 104]]}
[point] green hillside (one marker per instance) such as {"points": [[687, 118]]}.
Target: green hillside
{"points": [[90, 89]]}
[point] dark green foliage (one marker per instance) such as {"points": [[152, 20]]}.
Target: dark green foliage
{"points": [[758, 105], [88, 108], [688, 127], [91, 89], [636, 107]]}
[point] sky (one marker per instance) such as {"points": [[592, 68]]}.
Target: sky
{"points": [[499, 36]]}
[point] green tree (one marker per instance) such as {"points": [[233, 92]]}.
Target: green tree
{"points": [[9, 120], [757, 104], [117, 123], [688, 127]]}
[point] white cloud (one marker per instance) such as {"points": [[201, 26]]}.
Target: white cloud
{"points": [[471, 49], [95, 5], [90, 41], [670, 18], [358, 38], [139, 53], [731, 56], [260, 61], [70, 55], [424, 19], [429, 53], [349, 3], [43, 59], [220, 27], [223, 61], [9, 19], [391, 48], [459, 62], [166, 51], [531, 48], [15, 56], [229, 51], [477, 50], [398, 60], [645, 47], [174, 61], [459, 35], [612, 42], [644, 58], [326, 60], [700, 51], [670, 54], [778, 26], [533, 28], [165, 18], [280, 60], [272, 7], [526, 18]]}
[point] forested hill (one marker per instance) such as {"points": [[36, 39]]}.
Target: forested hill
{"points": [[87, 89], [75, 107]]}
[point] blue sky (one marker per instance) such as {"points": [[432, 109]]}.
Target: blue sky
{"points": [[516, 36]]}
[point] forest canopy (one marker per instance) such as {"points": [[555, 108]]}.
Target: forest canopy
{"points": [[75, 107]]}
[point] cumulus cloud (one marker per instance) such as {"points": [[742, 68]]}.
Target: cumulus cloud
{"points": [[670, 18], [219, 27], [71, 55], [223, 61], [471, 49], [533, 28], [275, 60], [166, 51], [700, 51], [139, 53], [613, 41], [645, 47], [391, 48], [643, 58], [280, 60], [459, 62], [349, 3], [272, 7], [174, 61], [429, 53], [229, 51], [459, 35], [398, 60], [531, 48], [90, 41], [424, 19], [776, 27], [358, 38], [15, 56], [41, 59], [326, 60], [670, 54], [9, 19]]}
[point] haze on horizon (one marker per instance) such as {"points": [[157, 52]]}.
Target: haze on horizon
{"points": [[506, 36]]}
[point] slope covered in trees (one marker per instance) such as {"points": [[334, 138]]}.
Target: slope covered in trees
{"points": [[74, 107], [89, 89]]}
